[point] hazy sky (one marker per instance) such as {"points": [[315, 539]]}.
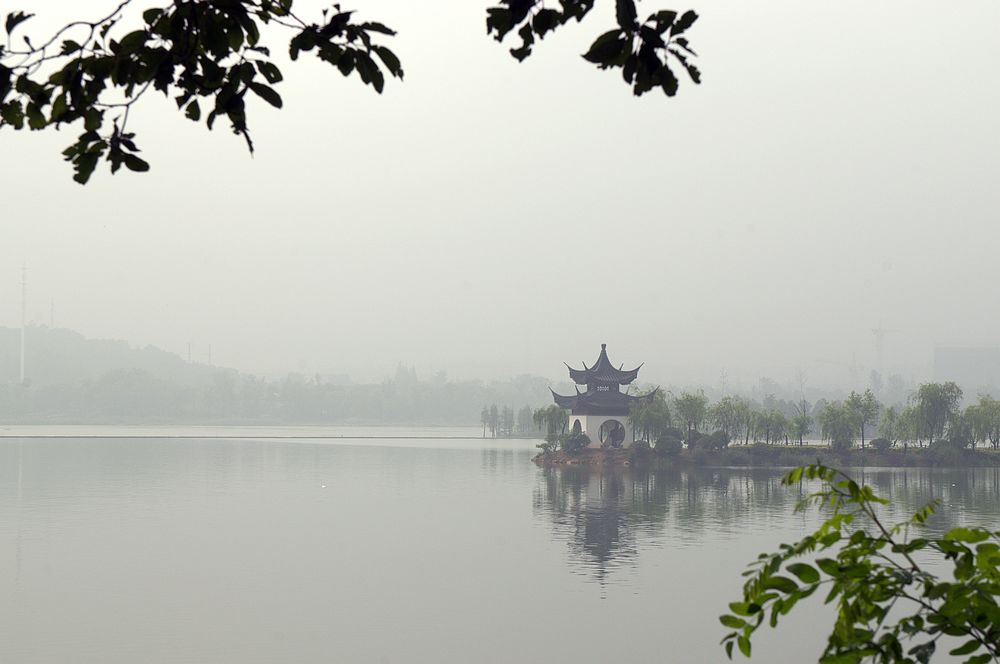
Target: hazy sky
{"points": [[837, 171]]}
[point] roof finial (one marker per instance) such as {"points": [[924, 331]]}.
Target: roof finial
{"points": [[603, 346]]}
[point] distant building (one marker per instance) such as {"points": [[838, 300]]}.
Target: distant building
{"points": [[972, 368], [337, 379], [602, 411]]}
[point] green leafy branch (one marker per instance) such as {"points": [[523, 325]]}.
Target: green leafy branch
{"points": [[889, 607]]}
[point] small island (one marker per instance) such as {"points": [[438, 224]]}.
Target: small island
{"points": [[606, 426]]}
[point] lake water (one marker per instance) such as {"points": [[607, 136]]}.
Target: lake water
{"points": [[191, 550]]}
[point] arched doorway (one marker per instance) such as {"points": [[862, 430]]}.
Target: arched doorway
{"points": [[612, 433]]}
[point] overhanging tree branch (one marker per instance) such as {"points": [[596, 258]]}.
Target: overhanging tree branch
{"points": [[209, 53]]}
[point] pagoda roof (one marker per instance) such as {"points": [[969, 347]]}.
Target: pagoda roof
{"points": [[603, 371], [593, 400]]}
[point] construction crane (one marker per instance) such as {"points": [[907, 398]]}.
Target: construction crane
{"points": [[880, 333], [852, 368]]}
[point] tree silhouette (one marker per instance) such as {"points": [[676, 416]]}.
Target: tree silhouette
{"points": [[209, 57]]}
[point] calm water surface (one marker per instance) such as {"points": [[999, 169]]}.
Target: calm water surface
{"points": [[125, 550]]}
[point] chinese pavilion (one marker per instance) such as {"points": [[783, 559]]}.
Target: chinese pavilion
{"points": [[602, 411]]}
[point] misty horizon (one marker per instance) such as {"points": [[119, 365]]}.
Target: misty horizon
{"points": [[766, 225], [958, 365]]}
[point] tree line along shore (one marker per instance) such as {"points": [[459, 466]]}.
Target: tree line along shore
{"points": [[931, 428]]}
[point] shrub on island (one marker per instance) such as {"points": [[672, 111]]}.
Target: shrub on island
{"points": [[714, 442], [640, 448], [668, 445], [574, 443], [882, 445]]}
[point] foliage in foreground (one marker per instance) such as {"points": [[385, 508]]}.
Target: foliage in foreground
{"points": [[211, 58], [890, 608]]}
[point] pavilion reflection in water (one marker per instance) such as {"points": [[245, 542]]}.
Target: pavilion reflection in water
{"points": [[608, 515]]}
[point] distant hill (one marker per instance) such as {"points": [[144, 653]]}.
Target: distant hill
{"points": [[61, 356], [72, 379]]}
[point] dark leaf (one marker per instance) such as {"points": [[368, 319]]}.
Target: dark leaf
{"points": [[691, 70], [36, 119], [6, 75], [683, 43], [14, 19], [369, 71], [269, 71], [390, 60], [686, 20], [651, 36], [527, 39], [266, 93], [663, 20], [545, 21], [12, 113], [966, 648], [372, 26], [134, 40], [59, 108], [628, 68], [606, 48], [85, 166], [498, 20], [253, 33], [668, 81], [626, 14], [519, 9], [346, 62], [134, 163]]}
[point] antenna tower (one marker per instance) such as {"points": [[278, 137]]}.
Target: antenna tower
{"points": [[24, 314]]}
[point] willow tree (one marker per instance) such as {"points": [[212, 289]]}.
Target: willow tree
{"points": [[864, 408], [691, 409], [212, 58], [937, 404], [888, 425], [553, 420], [984, 417], [910, 427], [838, 425], [728, 415], [650, 418], [802, 423]]}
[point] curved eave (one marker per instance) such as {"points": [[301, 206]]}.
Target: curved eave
{"points": [[564, 401], [578, 376], [643, 397]]}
